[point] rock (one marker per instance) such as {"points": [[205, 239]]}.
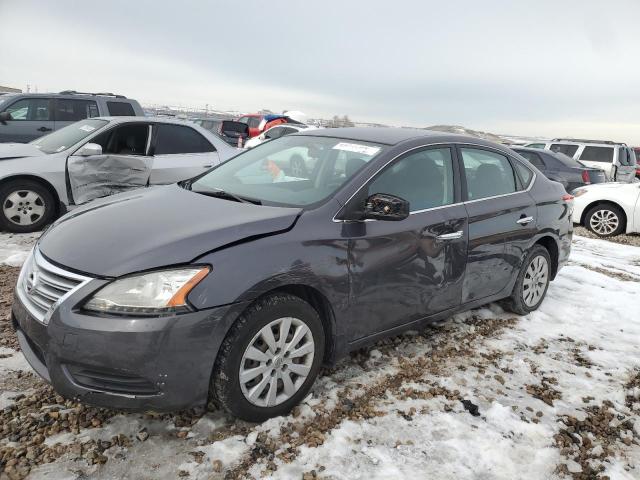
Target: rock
{"points": [[142, 435], [217, 466]]}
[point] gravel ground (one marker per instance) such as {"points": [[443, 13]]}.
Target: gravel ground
{"points": [[630, 239]]}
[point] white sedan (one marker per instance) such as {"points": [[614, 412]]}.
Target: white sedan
{"points": [[608, 209], [277, 132]]}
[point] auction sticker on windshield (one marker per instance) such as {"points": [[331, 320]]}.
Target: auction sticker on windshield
{"points": [[357, 148]]}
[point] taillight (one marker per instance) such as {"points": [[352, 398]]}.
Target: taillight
{"points": [[585, 177]]}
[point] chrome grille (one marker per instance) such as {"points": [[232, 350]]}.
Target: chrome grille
{"points": [[42, 286]]}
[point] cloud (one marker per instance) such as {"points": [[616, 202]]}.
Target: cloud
{"points": [[490, 65]]}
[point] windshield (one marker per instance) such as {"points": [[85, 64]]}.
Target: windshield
{"points": [[68, 136], [290, 171]]}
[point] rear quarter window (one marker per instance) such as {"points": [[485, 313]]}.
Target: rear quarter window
{"points": [[176, 139], [597, 154], [120, 109]]}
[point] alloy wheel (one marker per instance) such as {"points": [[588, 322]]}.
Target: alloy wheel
{"points": [[535, 281], [276, 362], [23, 207], [604, 222]]}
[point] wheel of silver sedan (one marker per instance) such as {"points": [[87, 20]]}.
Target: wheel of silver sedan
{"points": [[604, 222], [276, 362], [535, 281], [23, 207]]}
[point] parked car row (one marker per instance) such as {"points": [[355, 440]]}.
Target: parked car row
{"points": [[142, 301], [616, 159]]}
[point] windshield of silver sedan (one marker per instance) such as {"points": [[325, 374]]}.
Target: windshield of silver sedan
{"points": [[295, 170], [68, 136]]}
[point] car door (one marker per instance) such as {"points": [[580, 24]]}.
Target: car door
{"points": [[401, 271], [30, 118], [180, 152], [124, 163], [501, 220], [69, 110]]}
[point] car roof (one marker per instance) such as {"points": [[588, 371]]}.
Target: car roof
{"points": [[131, 119], [396, 135]]}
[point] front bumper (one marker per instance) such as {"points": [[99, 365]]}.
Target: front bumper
{"points": [[139, 364]]}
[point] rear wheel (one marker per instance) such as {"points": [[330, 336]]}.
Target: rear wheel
{"points": [[27, 206], [532, 282], [270, 358], [605, 220]]}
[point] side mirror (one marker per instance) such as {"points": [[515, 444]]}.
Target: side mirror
{"points": [[89, 150], [5, 117], [381, 206]]}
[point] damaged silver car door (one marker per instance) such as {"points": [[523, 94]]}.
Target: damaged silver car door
{"points": [[114, 161]]}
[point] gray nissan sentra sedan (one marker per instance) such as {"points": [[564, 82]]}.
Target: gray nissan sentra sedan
{"points": [[239, 284]]}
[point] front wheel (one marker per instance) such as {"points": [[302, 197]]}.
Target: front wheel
{"points": [[27, 206], [532, 282], [605, 220], [269, 359]]}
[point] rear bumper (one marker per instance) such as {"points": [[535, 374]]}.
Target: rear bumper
{"points": [[139, 364]]}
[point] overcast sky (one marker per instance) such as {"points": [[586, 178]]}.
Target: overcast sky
{"points": [[549, 68]]}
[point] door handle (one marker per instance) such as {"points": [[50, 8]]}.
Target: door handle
{"points": [[450, 236], [525, 220], [207, 166], [44, 129]]}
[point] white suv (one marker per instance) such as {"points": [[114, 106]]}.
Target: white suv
{"points": [[616, 159]]}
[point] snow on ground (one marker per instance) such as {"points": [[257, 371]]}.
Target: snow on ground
{"points": [[554, 394], [14, 247]]}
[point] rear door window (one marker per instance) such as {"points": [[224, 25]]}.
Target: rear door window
{"points": [[569, 150], [274, 133], [176, 139], [69, 110], [488, 174], [120, 109], [535, 159], [597, 154], [30, 109]]}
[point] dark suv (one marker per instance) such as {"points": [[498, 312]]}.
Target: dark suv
{"points": [[27, 116], [241, 282]]}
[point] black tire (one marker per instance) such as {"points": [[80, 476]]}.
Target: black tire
{"points": [[594, 220], [225, 381], [20, 187], [516, 303]]}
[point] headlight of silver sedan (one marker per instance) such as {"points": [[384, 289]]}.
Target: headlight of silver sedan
{"points": [[159, 292]]}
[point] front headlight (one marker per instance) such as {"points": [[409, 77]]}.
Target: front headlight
{"points": [[579, 191], [153, 293]]}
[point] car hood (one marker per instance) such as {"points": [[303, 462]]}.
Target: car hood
{"points": [[153, 228], [18, 150]]}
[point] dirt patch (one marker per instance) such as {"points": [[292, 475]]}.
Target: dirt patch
{"points": [[588, 443], [545, 392], [610, 272], [8, 278]]}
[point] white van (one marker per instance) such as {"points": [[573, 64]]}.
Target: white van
{"points": [[616, 159]]}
